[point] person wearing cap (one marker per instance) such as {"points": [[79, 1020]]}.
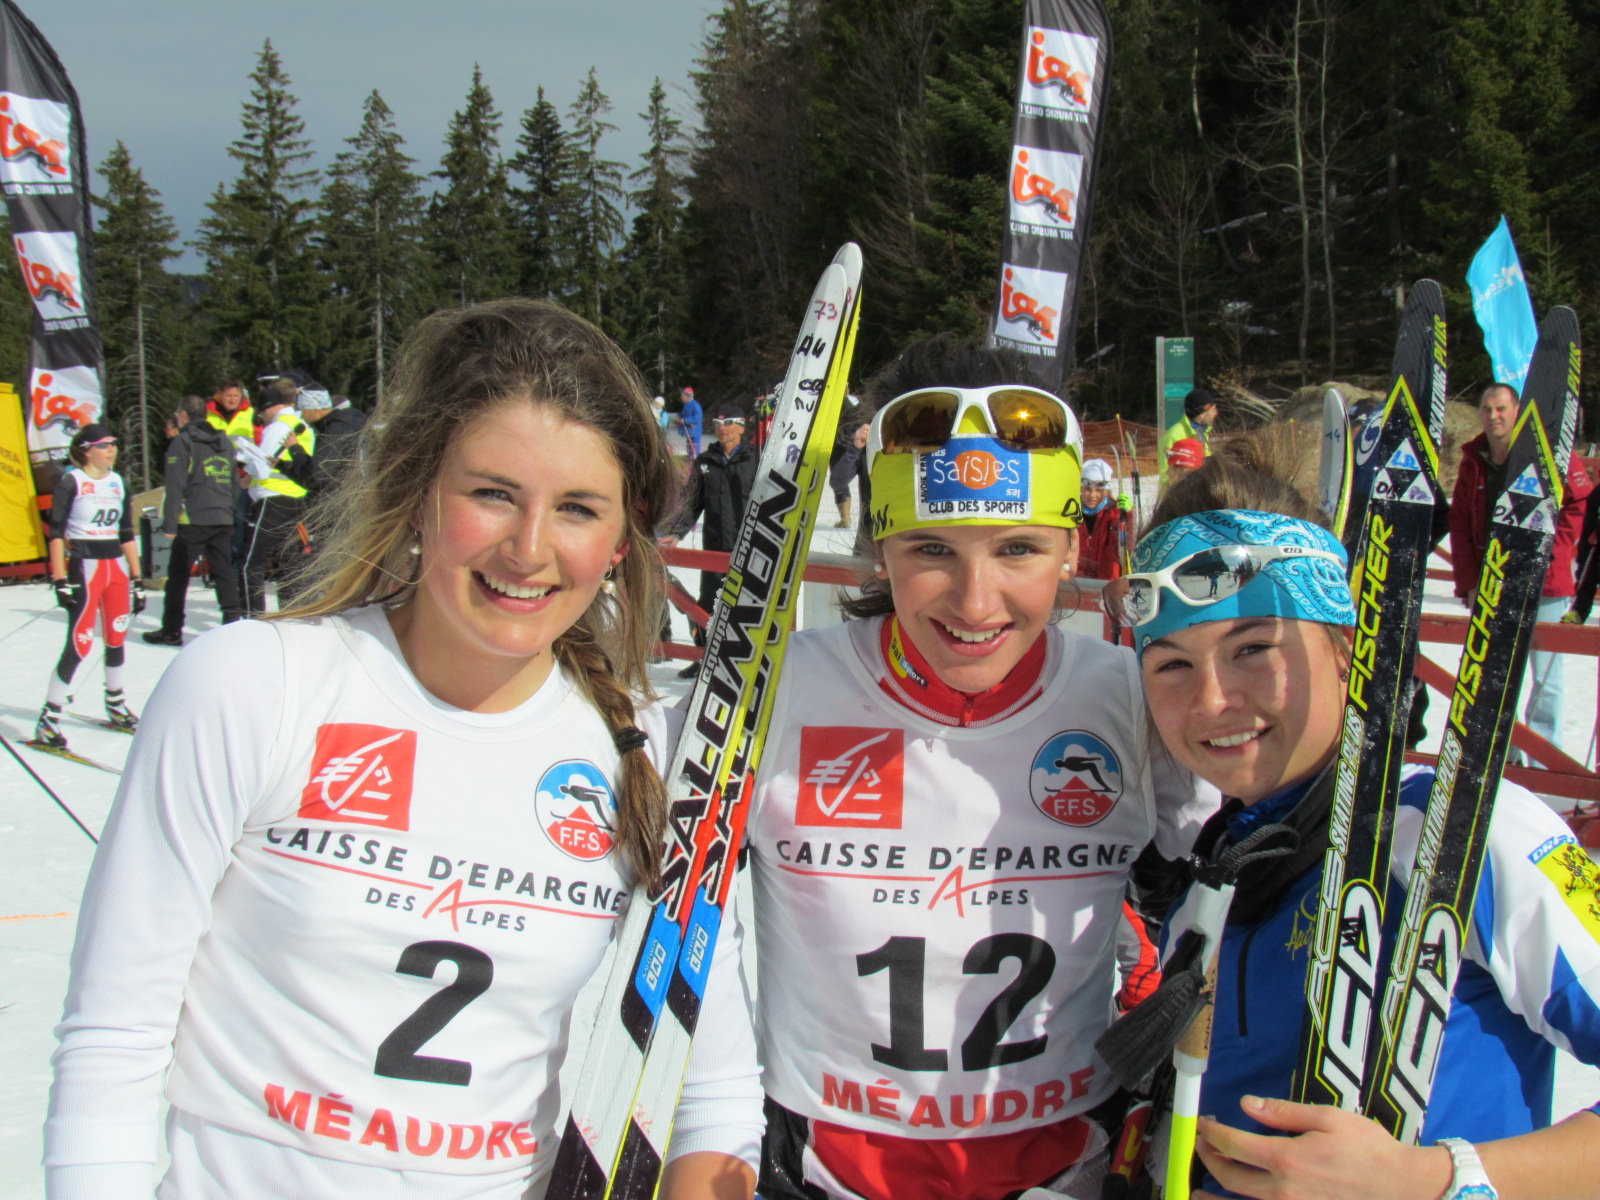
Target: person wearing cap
{"points": [[1242, 615], [94, 569], [950, 801], [720, 482], [275, 542], [1199, 415], [690, 421], [1102, 541], [337, 448]]}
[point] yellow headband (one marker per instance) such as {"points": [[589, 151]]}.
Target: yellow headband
{"points": [[973, 480]]}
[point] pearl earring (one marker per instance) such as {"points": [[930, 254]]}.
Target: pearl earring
{"points": [[608, 585]]}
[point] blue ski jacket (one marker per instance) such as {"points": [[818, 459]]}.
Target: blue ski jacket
{"points": [[1529, 981]]}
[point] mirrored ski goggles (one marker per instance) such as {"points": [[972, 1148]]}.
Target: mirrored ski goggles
{"points": [[1205, 577], [1018, 417]]}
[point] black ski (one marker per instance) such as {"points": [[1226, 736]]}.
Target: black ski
{"points": [[1390, 531], [1444, 880], [100, 721]]}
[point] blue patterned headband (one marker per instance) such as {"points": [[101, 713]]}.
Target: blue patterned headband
{"points": [[1302, 588]]}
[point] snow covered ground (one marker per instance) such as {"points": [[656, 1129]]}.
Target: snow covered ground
{"points": [[44, 857]]}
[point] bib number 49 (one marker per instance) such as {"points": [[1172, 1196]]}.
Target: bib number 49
{"points": [[905, 958]]}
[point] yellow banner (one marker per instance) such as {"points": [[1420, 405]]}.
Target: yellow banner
{"points": [[21, 537]]}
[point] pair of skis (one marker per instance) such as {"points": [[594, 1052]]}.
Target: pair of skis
{"points": [[615, 1140], [1359, 1049]]}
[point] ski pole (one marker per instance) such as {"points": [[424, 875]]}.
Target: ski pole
{"points": [[12, 751]]}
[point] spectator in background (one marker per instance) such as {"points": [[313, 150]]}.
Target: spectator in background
{"points": [[1588, 561], [1101, 540], [338, 425], [1199, 415], [1481, 479], [230, 412], [691, 422], [1183, 456], [720, 482], [848, 459], [275, 542], [200, 485]]}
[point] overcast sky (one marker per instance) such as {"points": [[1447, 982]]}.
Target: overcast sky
{"points": [[168, 77]]}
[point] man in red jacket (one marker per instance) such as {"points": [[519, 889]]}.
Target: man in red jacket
{"points": [[1478, 486]]}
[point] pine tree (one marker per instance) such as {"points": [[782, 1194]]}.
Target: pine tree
{"points": [[265, 293], [470, 222], [654, 273], [546, 207], [372, 212], [139, 302], [598, 218]]}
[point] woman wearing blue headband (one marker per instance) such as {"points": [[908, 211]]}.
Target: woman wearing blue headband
{"points": [[1240, 611]]}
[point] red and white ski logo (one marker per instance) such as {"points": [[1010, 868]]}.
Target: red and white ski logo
{"points": [[851, 776], [33, 139], [577, 809], [361, 774]]}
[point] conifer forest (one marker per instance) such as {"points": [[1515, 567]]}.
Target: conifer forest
{"points": [[1273, 175]]}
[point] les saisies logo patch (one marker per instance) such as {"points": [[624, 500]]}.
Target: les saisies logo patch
{"points": [[851, 777], [362, 775]]}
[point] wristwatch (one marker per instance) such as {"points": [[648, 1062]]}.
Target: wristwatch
{"points": [[1469, 1181]]}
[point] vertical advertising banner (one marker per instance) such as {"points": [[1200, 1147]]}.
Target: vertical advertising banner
{"points": [[44, 172], [1061, 90], [21, 534]]}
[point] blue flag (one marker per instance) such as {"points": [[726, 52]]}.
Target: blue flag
{"points": [[1501, 304]]}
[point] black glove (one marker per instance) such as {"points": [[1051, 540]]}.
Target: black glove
{"points": [[136, 594], [67, 592]]}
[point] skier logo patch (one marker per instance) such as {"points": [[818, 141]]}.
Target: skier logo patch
{"points": [[1573, 873], [362, 775], [577, 809], [850, 776], [1076, 779]]}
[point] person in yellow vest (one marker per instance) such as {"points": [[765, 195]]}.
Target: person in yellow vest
{"points": [[274, 542], [231, 412], [1199, 414]]}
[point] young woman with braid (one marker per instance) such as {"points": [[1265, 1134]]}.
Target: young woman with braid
{"points": [[351, 908]]}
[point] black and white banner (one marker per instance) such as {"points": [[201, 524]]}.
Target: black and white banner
{"points": [[1063, 82], [44, 170]]}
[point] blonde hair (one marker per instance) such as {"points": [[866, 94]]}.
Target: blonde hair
{"points": [[454, 367]]}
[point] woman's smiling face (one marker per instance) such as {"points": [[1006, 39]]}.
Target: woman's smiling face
{"points": [[1252, 704], [973, 599]]}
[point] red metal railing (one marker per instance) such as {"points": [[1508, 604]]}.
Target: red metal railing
{"points": [[1557, 775]]}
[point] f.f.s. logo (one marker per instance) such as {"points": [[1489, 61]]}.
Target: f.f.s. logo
{"points": [[1076, 779], [577, 809]]}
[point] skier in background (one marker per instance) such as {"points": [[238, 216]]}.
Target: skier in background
{"points": [[94, 568], [464, 684], [1104, 536], [1247, 689], [934, 971]]}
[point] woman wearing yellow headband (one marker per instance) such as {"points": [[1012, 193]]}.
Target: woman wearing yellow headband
{"points": [[953, 797]]}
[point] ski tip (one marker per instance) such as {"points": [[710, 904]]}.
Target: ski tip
{"points": [[848, 256]]}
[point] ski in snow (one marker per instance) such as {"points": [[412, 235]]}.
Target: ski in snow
{"points": [[70, 756]]}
